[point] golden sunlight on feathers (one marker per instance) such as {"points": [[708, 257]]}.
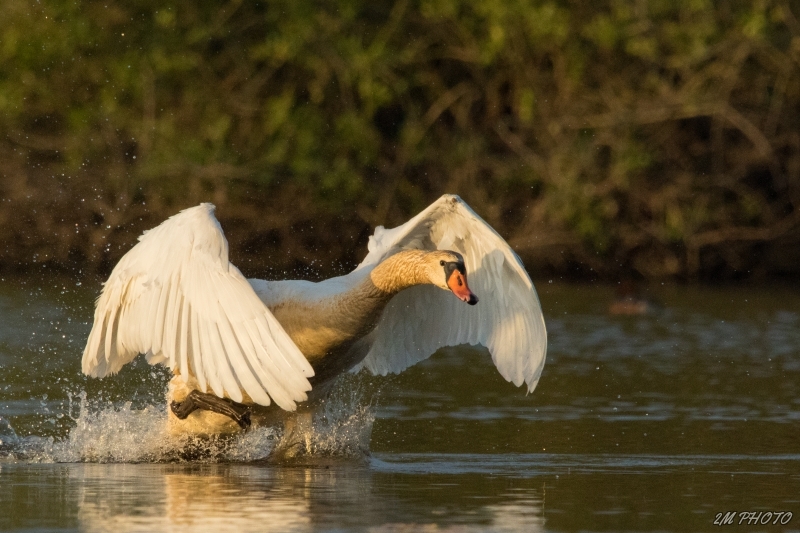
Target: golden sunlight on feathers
{"points": [[176, 298]]}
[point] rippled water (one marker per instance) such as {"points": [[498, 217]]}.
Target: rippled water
{"points": [[643, 423]]}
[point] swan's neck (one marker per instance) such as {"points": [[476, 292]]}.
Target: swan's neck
{"points": [[349, 316], [330, 325], [400, 271]]}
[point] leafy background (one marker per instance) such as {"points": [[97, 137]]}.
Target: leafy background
{"points": [[612, 139]]}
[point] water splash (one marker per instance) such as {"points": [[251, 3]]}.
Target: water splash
{"points": [[108, 433], [8, 437], [344, 424]]}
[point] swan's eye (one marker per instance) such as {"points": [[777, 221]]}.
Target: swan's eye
{"points": [[441, 263]]}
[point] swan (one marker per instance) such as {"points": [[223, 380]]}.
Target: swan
{"points": [[253, 351]]}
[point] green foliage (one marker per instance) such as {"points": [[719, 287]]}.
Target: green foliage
{"points": [[651, 129]]}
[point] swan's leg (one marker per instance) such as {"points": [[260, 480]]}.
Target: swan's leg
{"points": [[240, 413], [297, 433]]}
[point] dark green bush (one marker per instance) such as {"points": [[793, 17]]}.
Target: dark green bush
{"points": [[654, 138]]}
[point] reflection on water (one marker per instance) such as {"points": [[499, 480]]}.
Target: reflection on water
{"points": [[224, 497], [215, 499], [652, 423], [400, 492]]}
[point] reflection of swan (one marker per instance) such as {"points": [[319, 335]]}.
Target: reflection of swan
{"points": [[204, 503], [173, 498], [176, 298], [154, 498]]}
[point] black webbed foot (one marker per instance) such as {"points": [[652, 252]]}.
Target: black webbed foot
{"points": [[183, 409], [238, 412]]}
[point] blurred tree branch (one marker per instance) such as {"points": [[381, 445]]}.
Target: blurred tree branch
{"points": [[649, 139]]}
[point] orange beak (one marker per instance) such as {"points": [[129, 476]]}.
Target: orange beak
{"points": [[457, 282]]}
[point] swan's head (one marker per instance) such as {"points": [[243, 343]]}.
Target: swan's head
{"points": [[446, 270]]}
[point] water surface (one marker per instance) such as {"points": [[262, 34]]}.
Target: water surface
{"points": [[656, 422]]}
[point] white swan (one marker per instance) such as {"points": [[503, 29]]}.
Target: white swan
{"points": [[231, 341]]}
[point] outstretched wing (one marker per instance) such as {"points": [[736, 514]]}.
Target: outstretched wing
{"points": [[176, 297], [507, 319]]}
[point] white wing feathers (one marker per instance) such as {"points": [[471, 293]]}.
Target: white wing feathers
{"points": [[507, 319], [176, 297]]}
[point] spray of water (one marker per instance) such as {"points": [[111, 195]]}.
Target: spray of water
{"points": [[119, 433], [344, 424], [8, 437]]}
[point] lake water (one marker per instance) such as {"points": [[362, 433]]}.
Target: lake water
{"points": [[649, 423]]}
